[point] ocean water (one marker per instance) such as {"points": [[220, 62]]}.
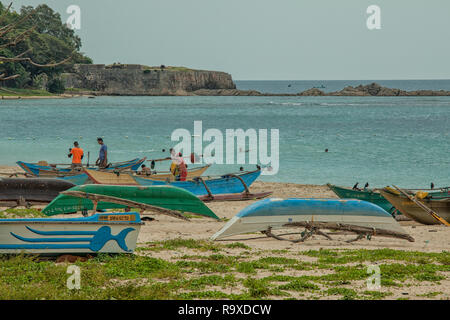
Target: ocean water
{"points": [[380, 140]]}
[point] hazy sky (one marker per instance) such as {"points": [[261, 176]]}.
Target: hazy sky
{"points": [[274, 40]]}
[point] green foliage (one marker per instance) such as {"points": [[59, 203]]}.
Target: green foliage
{"points": [[51, 41], [56, 86]]}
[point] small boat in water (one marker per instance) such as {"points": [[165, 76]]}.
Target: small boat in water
{"points": [[45, 170], [80, 198], [360, 217], [437, 202], [23, 191], [106, 232]]}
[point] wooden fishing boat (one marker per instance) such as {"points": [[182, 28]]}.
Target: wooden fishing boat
{"points": [[360, 217], [438, 202], [370, 195], [22, 191], [52, 171], [232, 185], [106, 232], [169, 177], [127, 179], [167, 197]]}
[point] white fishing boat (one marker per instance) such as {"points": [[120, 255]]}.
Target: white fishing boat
{"points": [[105, 232]]}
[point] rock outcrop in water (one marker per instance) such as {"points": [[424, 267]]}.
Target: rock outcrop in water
{"points": [[128, 79], [373, 89]]}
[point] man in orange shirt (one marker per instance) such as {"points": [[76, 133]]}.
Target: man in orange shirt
{"points": [[77, 154]]}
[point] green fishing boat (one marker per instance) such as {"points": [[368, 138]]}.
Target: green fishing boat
{"points": [[167, 197], [369, 195], [374, 196]]}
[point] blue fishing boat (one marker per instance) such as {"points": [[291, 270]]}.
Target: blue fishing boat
{"points": [[200, 186], [52, 171], [78, 179], [108, 232], [360, 217]]}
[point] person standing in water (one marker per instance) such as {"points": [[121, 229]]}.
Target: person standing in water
{"points": [[77, 154], [102, 160]]}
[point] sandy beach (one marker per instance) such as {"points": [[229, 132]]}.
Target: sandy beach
{"points": [[249, 247], [428, 238]]}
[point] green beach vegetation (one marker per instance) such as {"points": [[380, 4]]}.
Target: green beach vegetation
{"points": [[210, 271]]}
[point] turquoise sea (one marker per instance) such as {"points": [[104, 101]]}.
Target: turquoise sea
{"points": [[380, 140]]}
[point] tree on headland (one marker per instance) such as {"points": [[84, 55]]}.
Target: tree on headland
{"points": [[35, 43]]}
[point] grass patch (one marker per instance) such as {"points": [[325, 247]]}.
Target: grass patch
{"points": [[237, 245], [345, 293], [430, 294], [299, 285], [174, 244], [213, 274], [22, 213], [24, 92]]}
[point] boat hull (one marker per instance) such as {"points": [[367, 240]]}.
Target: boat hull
{"points": [[277, 213], [125, 179], [368, 195], [227, 184], [49, 171], [224, 185], [413, 211], [161, 196], [107, 233], [31, 190]]}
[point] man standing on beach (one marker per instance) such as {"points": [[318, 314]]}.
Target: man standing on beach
{"points": [[77, 155], [102, 160]]}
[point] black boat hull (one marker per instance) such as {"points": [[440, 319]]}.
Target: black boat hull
{"points": [[31, 190]]}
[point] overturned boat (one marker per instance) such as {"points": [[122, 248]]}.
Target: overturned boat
{"points": [[356, 216], [22, 191], [100, 197]]}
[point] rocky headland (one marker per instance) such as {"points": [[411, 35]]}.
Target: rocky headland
{"points": [[133, 79], [139, 80]]}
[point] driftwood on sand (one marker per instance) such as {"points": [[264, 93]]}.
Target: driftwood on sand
{"points": [[312, 228]]}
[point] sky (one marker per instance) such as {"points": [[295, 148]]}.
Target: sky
{"points": [[269, 40]]}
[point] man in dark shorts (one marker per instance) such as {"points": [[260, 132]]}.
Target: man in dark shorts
{"points": [[77, 154], [102, 160]]}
